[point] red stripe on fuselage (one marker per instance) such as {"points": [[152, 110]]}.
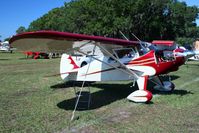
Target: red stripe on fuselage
{"points": [[141, 64], [142, 60]]}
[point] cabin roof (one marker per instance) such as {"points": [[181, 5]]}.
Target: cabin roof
{"points": [[163, 42]]}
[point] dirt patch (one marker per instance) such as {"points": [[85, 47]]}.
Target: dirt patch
{"points": [[85, 130], [118, 117]]}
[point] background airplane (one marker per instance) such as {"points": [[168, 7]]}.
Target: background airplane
{"points": [[5, 46], [36, 55]]}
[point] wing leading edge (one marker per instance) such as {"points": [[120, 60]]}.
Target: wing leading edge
{"points": [[54, 41]]}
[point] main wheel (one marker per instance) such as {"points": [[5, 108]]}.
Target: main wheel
{"points": [[167, 87]]}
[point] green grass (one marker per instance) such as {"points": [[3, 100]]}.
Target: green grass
{"points": [[32, 102]]}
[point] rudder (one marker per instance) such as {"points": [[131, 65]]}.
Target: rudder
{"points": [[67, 66]]}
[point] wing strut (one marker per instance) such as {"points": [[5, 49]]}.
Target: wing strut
{"points": [[124, 36], [81, 89], [116, 59], [76, 48], [106, 63], [80, 92]]}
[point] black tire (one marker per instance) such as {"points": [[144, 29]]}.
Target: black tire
{"points": [[83, 64]]}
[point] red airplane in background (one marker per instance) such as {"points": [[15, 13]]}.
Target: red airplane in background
{"points": [[104, 59], [36, 55]]}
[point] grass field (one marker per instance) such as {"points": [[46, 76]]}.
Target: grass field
{"points": [[32, 102]]}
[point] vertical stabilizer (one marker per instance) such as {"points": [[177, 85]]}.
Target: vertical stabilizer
{"points": [[67, 66]]}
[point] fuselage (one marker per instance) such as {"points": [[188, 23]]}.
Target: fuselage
{"points": [[107, 69]]}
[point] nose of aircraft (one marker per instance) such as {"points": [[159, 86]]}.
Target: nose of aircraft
{"points": [[180, 60]]}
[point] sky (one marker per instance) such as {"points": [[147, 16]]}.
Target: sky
{"points": [[16, 13]]}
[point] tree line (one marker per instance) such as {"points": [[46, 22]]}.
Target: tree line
{"points": [[147, 19]]}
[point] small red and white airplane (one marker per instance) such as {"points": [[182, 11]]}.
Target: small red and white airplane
{"points": [[104, 59], [36, 55]]}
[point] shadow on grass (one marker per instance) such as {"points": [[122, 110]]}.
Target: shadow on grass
{"points": [[182, 92], [174, 92], [166, 78], [4, 59], [107, 94]]}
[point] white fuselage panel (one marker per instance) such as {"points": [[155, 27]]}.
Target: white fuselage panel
{"points": [[98, 71]]}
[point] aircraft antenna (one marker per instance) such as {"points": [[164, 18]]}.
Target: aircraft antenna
{"points": [[124, 35], [136, 37]]}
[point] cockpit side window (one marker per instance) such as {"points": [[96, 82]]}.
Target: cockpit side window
{"points": [[125, 53]]}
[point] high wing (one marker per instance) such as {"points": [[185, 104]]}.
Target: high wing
{"points": [[53, 41]]}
